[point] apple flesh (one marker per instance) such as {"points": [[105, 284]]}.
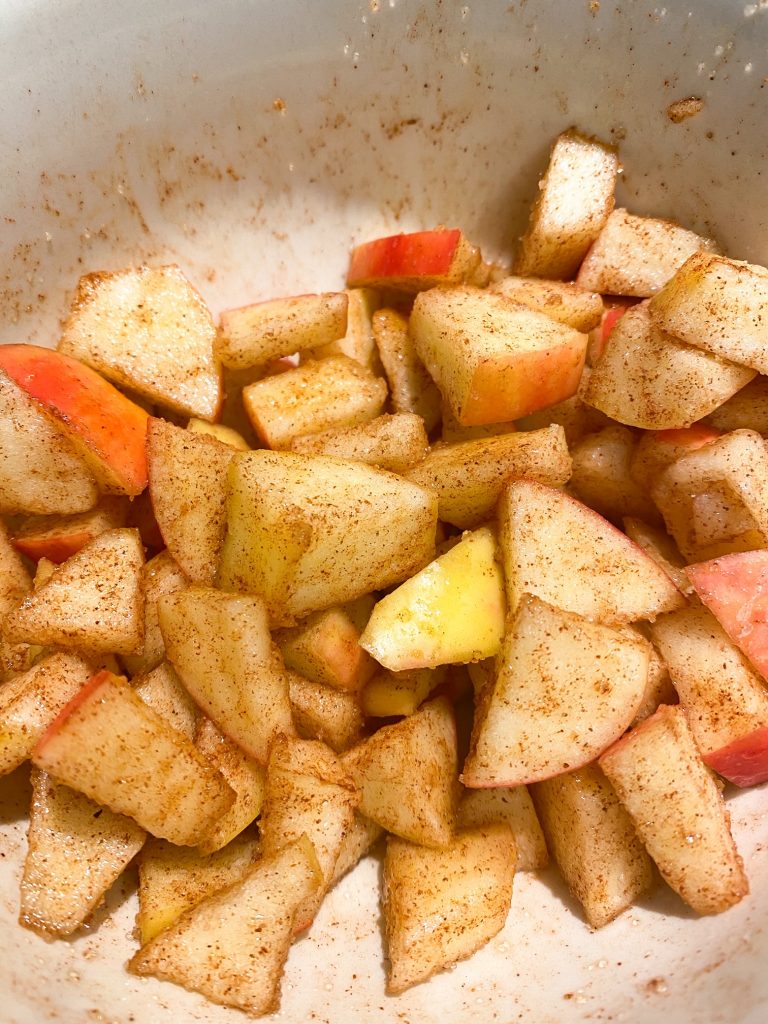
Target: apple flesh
{"points": [[57, 538], [414, 261]]}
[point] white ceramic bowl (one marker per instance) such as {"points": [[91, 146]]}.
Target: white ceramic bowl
{"points": [[253, 142]]}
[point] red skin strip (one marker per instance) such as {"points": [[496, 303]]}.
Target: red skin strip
{"points": [[420, 254], [744, 762], [86, 691]]}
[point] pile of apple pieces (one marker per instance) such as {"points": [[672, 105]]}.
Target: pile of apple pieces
{"points": [[296, 642]]}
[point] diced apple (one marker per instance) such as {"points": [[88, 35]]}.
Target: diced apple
{"points": [[411, 387], [746, 410], [357, 342], [15, 584], [494, 359], [149, 330], [658, 449], [111, 746], [513, 807], [220, 646], [227, 435], [393, 442], [463, 892], [412, 262], [566, 689], [561, 551], [567, 303], [253, 335], [452, 431], [575, 417], [678, 811], [94, 600], [659, 688], [324, 713], [574, 201], [57, 538], [601, 476], [393, 694], [469, 476], [659, 546], [160, 575], [452, 611], [165, 693], [358, 841], [308, 532], [326, 648]]}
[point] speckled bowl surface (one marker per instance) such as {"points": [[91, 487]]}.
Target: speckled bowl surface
{"points": [[253, 142]]}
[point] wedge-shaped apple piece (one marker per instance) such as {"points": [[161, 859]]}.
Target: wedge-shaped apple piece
{"points": [[318, 395], [566, 689], [678, 811], [494, 359], [601, 476], [76, 851], [160, 575], [393, 694], [658, 449], [659, 546], [308, 532], [659, 688], [308, 793], [324, 713], [512, 807], [220, 646], [468, 477], [726, 702], [717, 304], [411, 388], [452, 431], [111, 746], [40, 471], [172, 879], [187, 475], [575, 417], [594, 843], [396, 443], [452, 611], [746, 410], [357, 843], [638, 255], [94, 600], [566, 554], [357, 342], [418, 804], [106, 429], [565, 302], [412, 262], [148, 329], [232, 946], [647, 378], [15, 583], [574, 201], [463, 892], [57, 538], [227, 435], [31, 701], [253, 335], [165, 693]]}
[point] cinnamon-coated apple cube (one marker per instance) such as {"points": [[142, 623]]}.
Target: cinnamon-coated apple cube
{"points": [[111, 746], [658, 449], [148, 329], [565, 302], [309, 532], [575, 417], [715, 499], [554, 547], [566, 689], [57, 538], [253, 335], [165, 693], [647, 378], [160, 575], [187, 477], [463, 892], [324, 713], [15, 584], [357, 342], [746, 410], [513, 807], [637, 255], [325, 648], [172, 879], [411, 388], [574, 201], [393, 442], [469, 476], [415, 261], [94, 600], [106, 429], [310, 793], [678, 811], [227, 435], [40, 470], [450, 612], [418, 804], [593, 842], [452, 431], [30, 702], [221, 648], [242, 773], [717, 304], [232, 946], [394, 694], [726, 702], [659, 688], [357, 843], [318, 395], [659, 546], [494, 359], [76, 851], [601, 476]]}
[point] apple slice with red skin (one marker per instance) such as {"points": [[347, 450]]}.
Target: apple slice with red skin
{"points": [[57, 538], [107, 429], [412, 262], [745, 761]]}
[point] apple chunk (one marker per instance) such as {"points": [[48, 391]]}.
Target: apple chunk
{"points": [[566, 689], [57, 538], [15, 583], [412, 262], [494, 359], [111, 746]]}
